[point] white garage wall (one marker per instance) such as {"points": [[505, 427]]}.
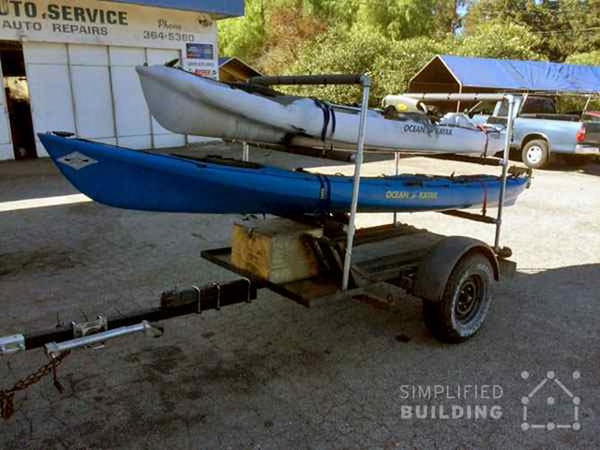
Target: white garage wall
{"points": [[93, 91], [133, 130], [49, 88]]}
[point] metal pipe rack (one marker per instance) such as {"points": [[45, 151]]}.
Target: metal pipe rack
{"points": [[504, 162], [366, 83]]}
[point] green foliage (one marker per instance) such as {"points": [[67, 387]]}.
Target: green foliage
{"points": [[589, 58], [340, 51], [562, 27], [393, 70], [499, 40], [392, 62], [397, 19], [244, 36], [392, 39]]}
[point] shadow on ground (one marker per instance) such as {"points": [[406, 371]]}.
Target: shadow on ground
{"points": [[274, 374]]}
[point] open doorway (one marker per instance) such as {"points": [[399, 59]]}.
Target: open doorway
{"points": [[17, 99]]}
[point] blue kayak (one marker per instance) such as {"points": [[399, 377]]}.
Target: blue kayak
{"points": [[140, 180]]}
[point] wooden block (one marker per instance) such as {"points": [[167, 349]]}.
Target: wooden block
{"points": [[275, 249]]}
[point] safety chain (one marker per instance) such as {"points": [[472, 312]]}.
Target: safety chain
{"points": [[7, 395]]}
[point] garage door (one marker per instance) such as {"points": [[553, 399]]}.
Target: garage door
{"points": [[93, 91], [133, 129], [92, 95], [49, 88]]}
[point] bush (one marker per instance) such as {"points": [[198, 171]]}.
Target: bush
{"points": [[588, 59], [499, 40]]}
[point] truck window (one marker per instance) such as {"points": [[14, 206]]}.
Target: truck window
{"points": [[539, 105], [503, 110]]}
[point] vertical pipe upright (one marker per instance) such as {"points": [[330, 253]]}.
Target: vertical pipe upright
{"points": [[245, 152], [505, 156], [460, 88], [397, 168], [362, 128]]}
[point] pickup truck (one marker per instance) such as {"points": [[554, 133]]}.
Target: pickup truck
{"points": [[540, 132]]}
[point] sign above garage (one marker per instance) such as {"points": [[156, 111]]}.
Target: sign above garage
{"points": [[99, 22], [222, 8]]}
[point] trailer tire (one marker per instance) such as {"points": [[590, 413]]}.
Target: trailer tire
{"points": [[465, 303], [536, 154]]}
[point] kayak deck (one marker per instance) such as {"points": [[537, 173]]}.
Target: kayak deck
{"points": [[153, 182]]}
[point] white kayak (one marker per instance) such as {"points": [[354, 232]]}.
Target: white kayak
{"points": [[186, 103]]}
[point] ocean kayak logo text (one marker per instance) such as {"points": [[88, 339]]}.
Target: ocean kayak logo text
{"points": [[451, 402]]}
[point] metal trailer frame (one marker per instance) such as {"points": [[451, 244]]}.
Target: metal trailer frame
{"points": [[423, 269], [335, 256]]}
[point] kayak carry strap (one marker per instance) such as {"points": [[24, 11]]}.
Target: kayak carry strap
{"points": [[332, 111], [328, 116], [485, 199]]}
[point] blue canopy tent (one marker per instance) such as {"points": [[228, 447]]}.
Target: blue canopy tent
{"points": [[449, 73]]}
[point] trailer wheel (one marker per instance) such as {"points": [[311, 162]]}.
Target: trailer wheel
{"points": [[535, 154], [465, 303]]}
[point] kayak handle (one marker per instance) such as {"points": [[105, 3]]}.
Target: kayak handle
{"points": [[312, 79]]}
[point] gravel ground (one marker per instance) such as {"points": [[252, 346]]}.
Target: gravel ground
{"points": [[276, 375]]}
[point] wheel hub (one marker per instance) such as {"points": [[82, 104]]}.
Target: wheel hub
{"points": [[535, 154], [470, 295]]}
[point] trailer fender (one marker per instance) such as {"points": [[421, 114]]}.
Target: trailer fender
{"points": [[435, 268]]}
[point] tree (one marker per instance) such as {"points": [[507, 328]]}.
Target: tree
{"points": [[340, 50], [562, 27], [244, 36], [448, 15], [397, 19], [499, 40], [390, 39], [589, 58]]}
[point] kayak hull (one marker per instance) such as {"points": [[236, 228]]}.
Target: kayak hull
{"points": [[143, 181], [189, 104]]}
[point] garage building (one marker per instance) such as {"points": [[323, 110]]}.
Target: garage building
{"points": [[69, 66]]}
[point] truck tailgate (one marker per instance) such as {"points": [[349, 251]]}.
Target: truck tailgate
{"points": [[592, 132]]}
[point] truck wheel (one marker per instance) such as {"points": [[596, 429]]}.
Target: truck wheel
{"points": [[535, 154], [465, 303]]}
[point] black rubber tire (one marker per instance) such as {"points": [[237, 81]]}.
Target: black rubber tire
{"points": [[540, 162], [444, 318]]}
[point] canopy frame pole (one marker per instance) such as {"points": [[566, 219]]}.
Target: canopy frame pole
{"points": [[460, 89], [587, 103], [505, 162], [362, 128], [245, 151], [396, 172]]}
